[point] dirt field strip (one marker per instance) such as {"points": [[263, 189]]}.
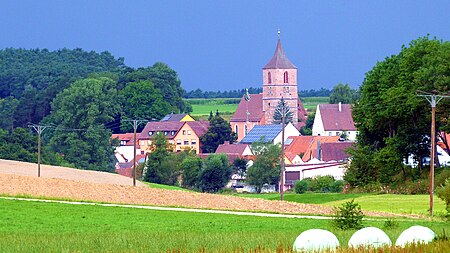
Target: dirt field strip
{"points": [[177, 209]]}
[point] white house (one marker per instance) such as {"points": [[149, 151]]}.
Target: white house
{"points": [[334, 120]]}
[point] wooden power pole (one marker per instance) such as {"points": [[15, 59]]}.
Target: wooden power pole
{"points": [[39, 129]]}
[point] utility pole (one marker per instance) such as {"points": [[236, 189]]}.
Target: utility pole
{"points": [[283, 111], [433, 98], [135, 123], [39, 129]]}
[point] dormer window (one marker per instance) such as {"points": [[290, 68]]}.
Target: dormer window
{"points": [[173, 133], [166, 133], [151, 133], [286, 77], [269, 78]]}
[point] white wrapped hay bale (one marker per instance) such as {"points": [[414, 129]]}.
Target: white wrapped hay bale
{"points": [[314, 240], [369, 237], [415, 234]]}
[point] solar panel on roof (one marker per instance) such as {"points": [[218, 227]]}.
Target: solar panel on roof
{"points": [[268, 132]]}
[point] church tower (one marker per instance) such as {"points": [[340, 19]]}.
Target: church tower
{"points": [[279, 81]]}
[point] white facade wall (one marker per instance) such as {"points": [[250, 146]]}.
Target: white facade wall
{"points": [[289, 130]]}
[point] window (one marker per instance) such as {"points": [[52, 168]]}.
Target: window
{"points": [[170, 141], [193, 141], [178, 142], [151, 133], [245, 130], [186, 142], [286, 89], [236, 128], [173, 133], [123, 143], [286, 77], [189, 132], [329, 133], [184, 132], [142, 152], [269, 78], [166, 132], [337, 134]]}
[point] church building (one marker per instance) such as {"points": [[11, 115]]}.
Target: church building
{"points": [[279, 81]]}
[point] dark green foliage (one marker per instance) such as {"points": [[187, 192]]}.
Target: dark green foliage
{"points": [[8, 108], [191, 168], [158, 168], [240, 167], [392, 121], [80, 112], [141, 100], [348, 216], [35, 77], [163, 78], [215, 174], [390, 223], [443, 192], [342, 93], [20, 145], [301, 186], [282, 109], [266, 167], [307, 129], [319, 184], [218, 132]]}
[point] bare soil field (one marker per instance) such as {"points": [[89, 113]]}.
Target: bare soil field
{"points": [[19, 178]]}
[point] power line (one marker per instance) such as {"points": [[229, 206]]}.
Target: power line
{"points": [[39, 129]]}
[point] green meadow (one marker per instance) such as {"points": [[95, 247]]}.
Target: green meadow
{"points": [[53, 227], [391, 203], [310, 103]]}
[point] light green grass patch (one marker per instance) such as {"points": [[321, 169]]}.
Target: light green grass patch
{"points": [[165, 187], [310, 103], [54, 227]]}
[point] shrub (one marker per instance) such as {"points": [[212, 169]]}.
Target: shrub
{"points": [[337, 186], [390, 223], [348, 216], [301, 186], [324, 183], [443, 193]]}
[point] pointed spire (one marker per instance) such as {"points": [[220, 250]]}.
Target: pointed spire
{"points": [[279, 59]]}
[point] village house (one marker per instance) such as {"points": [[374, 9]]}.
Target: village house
{"points": [[180, 135], [124, 152], [279, 81], [334, 120]]}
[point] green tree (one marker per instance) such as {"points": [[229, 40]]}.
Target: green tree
{"points": [[342, 93], [240, 167], [266, 167], [79, 114], [392, 121], [307, 129], [282, 107], [215, 174], [19, 145], [191, 168], [141, 100], [158, 168], [218, 132], [8, 107]]}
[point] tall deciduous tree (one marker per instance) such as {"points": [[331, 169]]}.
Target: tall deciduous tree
{"points": [[158, 168], [266, 167], [392, 121], [80, 113], [282, 108], [342, 93], [215, 174], [218, 132]]}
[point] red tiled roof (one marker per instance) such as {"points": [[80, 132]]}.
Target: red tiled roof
{"points": [[199, 127], [299, 144], [254, 106], [128, 137], [311, 151], [168, 126], [335, 120], [228, 148], [279, 60], [335, 151]]}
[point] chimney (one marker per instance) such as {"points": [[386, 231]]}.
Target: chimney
{"points": [[319, 153], [340, 106]]}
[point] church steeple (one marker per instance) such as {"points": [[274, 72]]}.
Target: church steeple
{"points": [[279, 59]]}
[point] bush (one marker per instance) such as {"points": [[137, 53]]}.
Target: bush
{"points": [[337, 186], [301, 186], [391, 223], [348, 216], [324, 183], [443, 193]]}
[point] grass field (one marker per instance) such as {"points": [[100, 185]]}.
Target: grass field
{"points": [[310, 103], [392, 203], [53, 227], [202, 107]]}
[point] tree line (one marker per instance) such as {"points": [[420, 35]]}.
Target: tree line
{"points": [[198, 93]]}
